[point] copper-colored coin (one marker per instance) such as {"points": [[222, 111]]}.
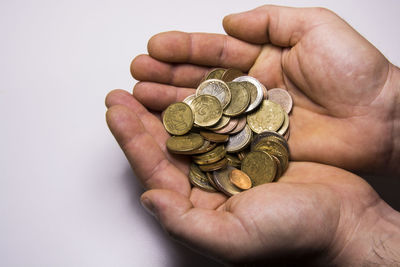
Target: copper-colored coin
{"points": [[199, 179], [216, 88], [230, 74], [269, 117], [207, 110], [260, 167], [184, 143], [178, 118], [214, 166], [229, 127], [281, 97], [221, 179], [241, 124], [210, 157], [240, 179], [239, 141], [214, 137]]}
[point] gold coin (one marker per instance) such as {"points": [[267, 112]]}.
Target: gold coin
{"points": [[269, 117], [221, 179], [220, 124], [216, 88], [199, 179], [210, 178], [214, 137], [231, 74], [210, 157], [184, 143], [214, 166], [256, 91], [207, 110], [240, 179], [178, 118], [188, 100], [233, 160], [215, 74], [240, 99], [239, 141], [260, 167], [207, 146], [284, 126], [269, 135]]}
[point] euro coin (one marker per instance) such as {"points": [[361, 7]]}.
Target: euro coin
{"points": [[184, 143], [269, 117], [260, 167], [207, 110], [240, 99], [216, 88], [178, 118]]}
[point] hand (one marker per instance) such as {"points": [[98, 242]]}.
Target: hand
{"points": [[346, 109], [315, 213]]}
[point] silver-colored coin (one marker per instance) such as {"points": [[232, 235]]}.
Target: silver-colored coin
{"points": [[221, 179], [239, 141], [281, 97], [256, 91], [216, 88]]}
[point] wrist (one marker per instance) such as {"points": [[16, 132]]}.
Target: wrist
{"points": [[375, 240]]}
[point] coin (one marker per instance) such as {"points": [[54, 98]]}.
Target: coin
{"points": [[260, 167], [188, 100], [178, 118], [240, 99], [269, 134], [214, 137], [210, 157], [233, 160], [207, 146], [241, 123], [256, 91], [269, 117], [231, 74], [220, 124], [184, 143], [216, 88], [229, 127], [285, 125], [214, 166], [215, 74], [199, 179], [221, 179], [207, 110], [210, 178], [240, 179], [281, 97], [239, 141]]}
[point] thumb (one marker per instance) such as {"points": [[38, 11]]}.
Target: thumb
{"points": [[207, 230], [282, 26]]}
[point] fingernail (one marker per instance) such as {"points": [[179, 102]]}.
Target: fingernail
{"points": [[148, 206]]}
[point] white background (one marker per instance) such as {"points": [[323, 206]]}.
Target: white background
{"points": [[67, 194]]}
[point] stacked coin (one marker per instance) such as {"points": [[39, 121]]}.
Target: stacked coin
{"points": [[235, 130]]}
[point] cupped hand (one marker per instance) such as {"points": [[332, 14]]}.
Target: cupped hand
{"points": [[342, 86], [315, 213]]}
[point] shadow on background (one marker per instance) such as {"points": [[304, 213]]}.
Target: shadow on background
{"points": [[387, 188]]}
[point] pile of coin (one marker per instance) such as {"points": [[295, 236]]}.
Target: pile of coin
{"points": [[234, 129]]}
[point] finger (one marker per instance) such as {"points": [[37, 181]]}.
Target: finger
{"points": [[143, 153], [159, 96], [268, 68], [203, 49], [211, 231], [146, 68], [283, 26], [151, 123]]}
